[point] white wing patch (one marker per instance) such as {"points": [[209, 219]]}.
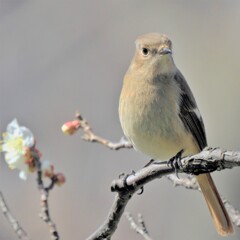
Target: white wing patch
{"points": [[197, 112]]}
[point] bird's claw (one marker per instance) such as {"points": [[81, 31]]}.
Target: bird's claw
{"points": [[175, 162], [141, 191], [149, 163]]}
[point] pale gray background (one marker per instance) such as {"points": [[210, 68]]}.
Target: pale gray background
{"points": [[58, 56]]}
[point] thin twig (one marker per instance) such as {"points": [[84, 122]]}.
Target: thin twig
{"points": [[233, 212], [90, 136], [142, 223], [21, 234], [190, 182], [141, 228], [44, 194]]}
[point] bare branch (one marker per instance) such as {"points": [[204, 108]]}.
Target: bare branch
{"points": [[90, 136], [125, 187], [110, 225], [44, 193], [142, 223], [233, 212], [206, 161], [190, 182], [209, 160], [141, 228], [14, 223]]}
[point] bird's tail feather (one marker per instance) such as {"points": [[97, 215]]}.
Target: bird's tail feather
{"points": [[217, 209]]}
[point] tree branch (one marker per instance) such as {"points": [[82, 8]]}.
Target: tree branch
{"points": [[208, 160], [190, 182], [141, 228], [14, 223], [110, 225], [44, 193], [90, 136]]}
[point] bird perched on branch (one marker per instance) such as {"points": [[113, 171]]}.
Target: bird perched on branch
{"points": [[159, 115]]}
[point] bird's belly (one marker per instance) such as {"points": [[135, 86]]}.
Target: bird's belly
{"points": [[158, 136], [161, 147], [157, 147]]}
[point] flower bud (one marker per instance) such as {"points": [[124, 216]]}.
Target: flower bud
{"points": [[71, 127], [60, 179]]}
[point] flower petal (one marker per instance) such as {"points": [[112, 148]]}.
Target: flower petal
{"points": [[23, 175], [15, 143], [27, 135]]}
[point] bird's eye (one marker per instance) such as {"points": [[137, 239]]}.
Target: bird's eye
{"points": [[145, 51]]}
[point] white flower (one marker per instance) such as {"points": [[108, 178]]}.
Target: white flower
{"points": [[16, 144]]}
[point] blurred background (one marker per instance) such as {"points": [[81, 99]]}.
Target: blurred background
{"points": [[59, 56]]}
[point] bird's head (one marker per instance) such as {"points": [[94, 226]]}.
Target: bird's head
{"points": [[153, 53]]}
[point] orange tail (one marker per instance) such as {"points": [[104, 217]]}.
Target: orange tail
{"points": [[217, 209]]}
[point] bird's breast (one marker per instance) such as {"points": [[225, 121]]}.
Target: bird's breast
{"points": [[149, 118]]}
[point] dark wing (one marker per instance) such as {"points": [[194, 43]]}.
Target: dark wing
{"points": [[189, 113]]}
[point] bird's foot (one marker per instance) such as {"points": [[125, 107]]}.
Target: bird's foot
{"points": [[175, 162]]}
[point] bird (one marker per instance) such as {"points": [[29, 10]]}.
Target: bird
{"points": [[159, 115]]}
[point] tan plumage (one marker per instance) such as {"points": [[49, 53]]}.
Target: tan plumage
{"points": [[159, 115]]}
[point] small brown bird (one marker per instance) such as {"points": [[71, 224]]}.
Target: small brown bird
{"points": [[159, 115]]}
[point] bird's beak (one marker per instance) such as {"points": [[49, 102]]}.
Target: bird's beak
{"points": [[164, 51]]}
